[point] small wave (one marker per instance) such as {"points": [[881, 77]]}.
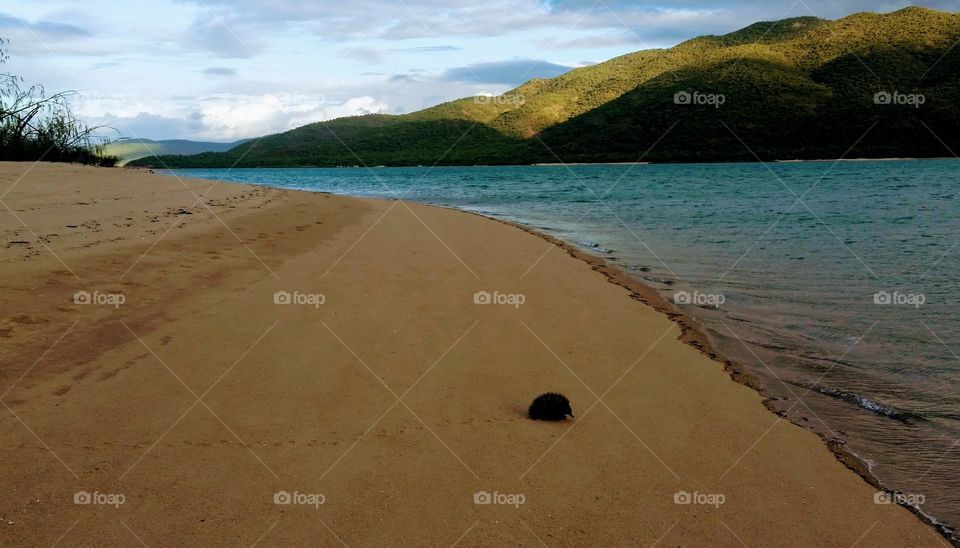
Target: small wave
{"points": [[863, 402], [594, 246]]}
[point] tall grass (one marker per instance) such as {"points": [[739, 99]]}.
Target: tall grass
{"points": [[35, 126]]}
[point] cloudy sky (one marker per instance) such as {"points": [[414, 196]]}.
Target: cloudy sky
{"points": [[223, 70]]}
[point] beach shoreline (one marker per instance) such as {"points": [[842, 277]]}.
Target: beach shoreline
{"points": [[400, 282], [154, 169], [694, 335]]}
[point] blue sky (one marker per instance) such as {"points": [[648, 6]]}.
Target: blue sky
{"points": [[229, 69]]}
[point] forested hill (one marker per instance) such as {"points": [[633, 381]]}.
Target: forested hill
{"points": [[868, 85]]}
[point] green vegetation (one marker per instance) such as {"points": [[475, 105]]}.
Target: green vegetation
{"points": [[35, 126], [127, 150], [802, 88]]}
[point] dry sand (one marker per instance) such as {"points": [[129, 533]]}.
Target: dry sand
{"points": [[397, 399]]}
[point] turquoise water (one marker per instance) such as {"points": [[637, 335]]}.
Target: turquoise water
{"points": [[798, 253]]}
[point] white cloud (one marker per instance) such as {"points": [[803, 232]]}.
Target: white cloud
{"points": [[224, 117]]}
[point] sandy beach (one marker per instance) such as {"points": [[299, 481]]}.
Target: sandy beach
{"points": [[184, 362]]}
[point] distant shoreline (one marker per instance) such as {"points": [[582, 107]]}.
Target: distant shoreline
{"points": [[561, 164], [857, 160]]}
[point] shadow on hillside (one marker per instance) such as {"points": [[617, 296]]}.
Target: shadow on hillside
{"points": [[774, 110]]}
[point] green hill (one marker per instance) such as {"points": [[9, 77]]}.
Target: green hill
{"points": [[134, 149], [800, 88]]}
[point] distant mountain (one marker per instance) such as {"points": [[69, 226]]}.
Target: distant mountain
{"points": [[134, 149], [868, 85]]}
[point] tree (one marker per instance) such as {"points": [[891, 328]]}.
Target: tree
{"points": [[35, 126]]}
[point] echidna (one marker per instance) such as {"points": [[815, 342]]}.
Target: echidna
{"points": [[550, 407]]}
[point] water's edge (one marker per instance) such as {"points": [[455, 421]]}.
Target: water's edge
{"points": [[693, 334]]}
